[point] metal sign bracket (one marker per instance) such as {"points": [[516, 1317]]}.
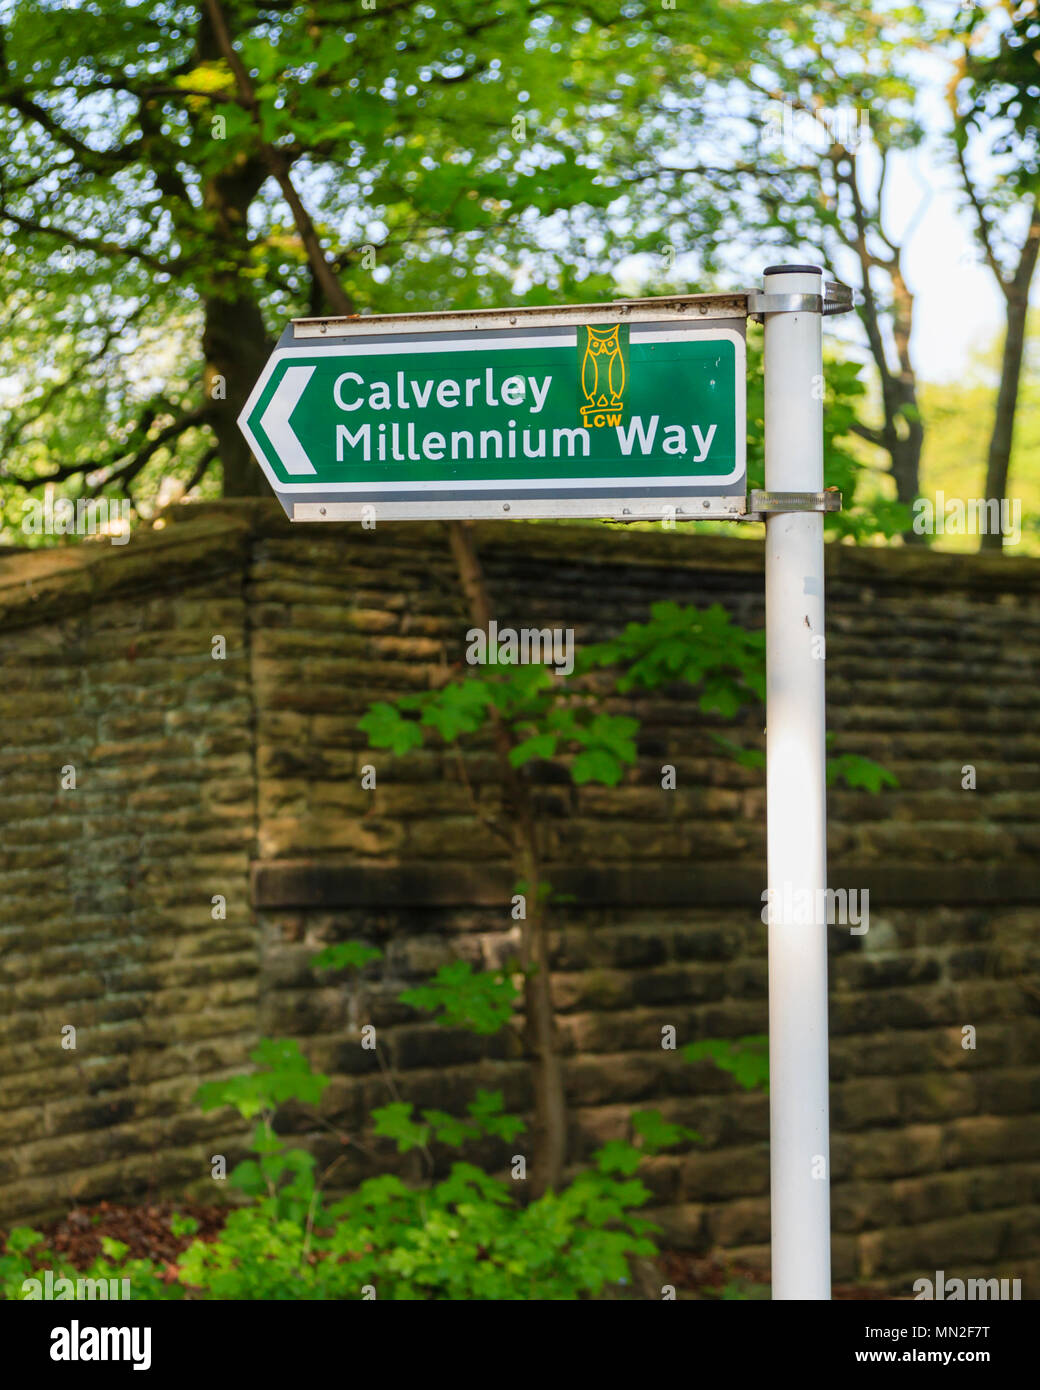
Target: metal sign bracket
{"points": [[762, 504], [837, 299]]}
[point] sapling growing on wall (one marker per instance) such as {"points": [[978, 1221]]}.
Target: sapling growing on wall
{"points": [[533, 713]]}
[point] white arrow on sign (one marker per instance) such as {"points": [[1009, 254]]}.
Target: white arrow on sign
{"points": [[275, 420]]}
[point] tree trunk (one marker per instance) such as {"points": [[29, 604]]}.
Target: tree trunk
{"points": [[235, 344], [550, 1100], [902, 434], [236, 348], [904, 439], [902, 413], [999, 460], [234, 340]]}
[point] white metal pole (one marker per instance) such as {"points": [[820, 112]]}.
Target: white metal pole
{"points": [[796, 797]]}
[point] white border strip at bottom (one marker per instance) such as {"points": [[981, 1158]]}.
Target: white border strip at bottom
{"points": [[728, 508]]}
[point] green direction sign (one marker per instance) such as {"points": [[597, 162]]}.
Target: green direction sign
{"points": [[388, 418]]}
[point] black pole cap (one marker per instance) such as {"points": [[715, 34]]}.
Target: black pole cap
{"points": [[793, 270]]}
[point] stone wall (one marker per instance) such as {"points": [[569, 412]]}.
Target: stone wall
{"points": [[241, 777]]}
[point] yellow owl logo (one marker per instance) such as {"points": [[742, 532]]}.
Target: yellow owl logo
{"points": [[602, 377]]}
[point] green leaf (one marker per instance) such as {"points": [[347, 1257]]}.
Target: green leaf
{"points": [[481, 1002], [345, 955], [753, 758], [395, 1121], [381, 1191], [658, 1133], [284, 1073], [449, 1129], [618, 1156], [386, 729], [539, 746], [457, 709], [721, 698], [596, 765], [23, 1238], [855, 771], [265, 1141], [486, 1111], [247, 1177], [746, 1059]]}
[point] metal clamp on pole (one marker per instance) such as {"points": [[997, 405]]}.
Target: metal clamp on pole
{"points": [[762, 504], [836, 299]]}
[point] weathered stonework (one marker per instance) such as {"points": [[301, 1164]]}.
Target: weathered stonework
{"points": [[241, 778]]}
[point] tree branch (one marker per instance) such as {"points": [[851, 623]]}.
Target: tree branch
{"points": [[982, 226], [867, 432], [134, 464], [335, 295], [1023, 276], [199, 471], [88, 157], [40, 404], [129, 471], [98, 247]]}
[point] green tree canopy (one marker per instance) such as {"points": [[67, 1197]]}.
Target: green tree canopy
{"points": [[148, 249]]}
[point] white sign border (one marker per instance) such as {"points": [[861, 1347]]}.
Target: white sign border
{"points": [[544, 486]]}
